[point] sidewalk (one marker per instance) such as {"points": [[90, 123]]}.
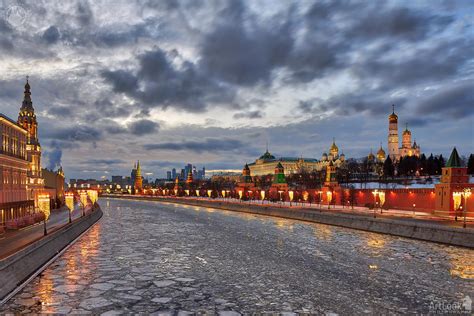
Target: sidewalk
{"points": [[13, 240]]}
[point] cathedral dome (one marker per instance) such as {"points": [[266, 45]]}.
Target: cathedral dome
{"points": [[371, 156], [381, 154], [325, 157]]}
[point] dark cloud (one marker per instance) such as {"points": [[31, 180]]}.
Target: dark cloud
{"points": [[143, 127], [205, 145], [456, 101], [51, 35], [60, 111], [160, 83], [249, 114], [103, 162], [399, 22], [84, 15], [237, 54], [79, 133]]}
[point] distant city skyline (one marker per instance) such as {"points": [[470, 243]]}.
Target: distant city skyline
{"points": [[211, 83]]}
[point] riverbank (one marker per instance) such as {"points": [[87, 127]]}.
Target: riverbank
{"points": [[20, 266], [409, 228]]}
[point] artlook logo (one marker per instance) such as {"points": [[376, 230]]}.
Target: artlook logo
{"points": [[463, 307], [15, 15]]}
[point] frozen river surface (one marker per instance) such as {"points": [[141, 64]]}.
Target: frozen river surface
{"points": [[146, 257]]}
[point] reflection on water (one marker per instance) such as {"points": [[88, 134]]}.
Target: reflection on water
{"points": [[323, 232], [284, 224], [462, 263]]}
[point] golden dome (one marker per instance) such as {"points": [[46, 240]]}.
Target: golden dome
{"points": [[393, 117], [371, 156], [381, 153], [334, 146]]}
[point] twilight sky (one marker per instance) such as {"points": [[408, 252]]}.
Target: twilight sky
{"points": [[210, 82]]}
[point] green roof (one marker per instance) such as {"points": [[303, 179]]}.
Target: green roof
{"points": [[454, 160], [267, 156]]}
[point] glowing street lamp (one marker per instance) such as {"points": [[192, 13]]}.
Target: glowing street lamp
{"points": [[375, 192], [209, 193], [291, 195], [69, 196], [457, 202], [83, 198], [320, 198], [467, 194], [262, 195], [43, 204]]}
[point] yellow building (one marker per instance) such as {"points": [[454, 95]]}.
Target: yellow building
{"points": [[407, 148], [267, 163]]}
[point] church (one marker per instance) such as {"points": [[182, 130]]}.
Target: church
{"points": [[394, 150]]}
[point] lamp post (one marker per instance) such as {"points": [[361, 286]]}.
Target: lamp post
{"points": [[320, 198], [281, 200], [467, 194], [375, 192]]}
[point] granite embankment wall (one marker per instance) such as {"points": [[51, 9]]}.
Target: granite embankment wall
{"points": [[456, 236], [18, 267]]}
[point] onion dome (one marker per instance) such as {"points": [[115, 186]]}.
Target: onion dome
{"points": [[381, 153], [406, 131], [334, 146], [393, 118], [415, 145], [342, 157], [325, 157], [371, 156]]}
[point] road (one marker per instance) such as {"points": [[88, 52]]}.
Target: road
{"points": [[11, 241], [144, 257]]}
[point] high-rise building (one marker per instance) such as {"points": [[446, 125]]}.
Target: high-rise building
{"points": [[168, 175], [27, 120], [173, 173]]}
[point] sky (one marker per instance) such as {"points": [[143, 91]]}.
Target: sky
{"points": [[212, 82]]}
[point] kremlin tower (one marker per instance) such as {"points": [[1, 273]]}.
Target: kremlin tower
{"points": [[27, 120], [393, 135], [138, 184]]}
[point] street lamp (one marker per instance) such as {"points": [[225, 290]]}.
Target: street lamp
{"points": [[414, 205], [467, 194], [320, 198], [457, 202], [281, 200], [375, 192]]}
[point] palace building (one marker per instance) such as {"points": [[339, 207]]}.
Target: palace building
{"points": [[27, 120], [14, 167], [267, 163], [407, 148]]}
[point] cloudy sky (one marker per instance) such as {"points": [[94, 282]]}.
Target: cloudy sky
{"points": [[210, 82]]}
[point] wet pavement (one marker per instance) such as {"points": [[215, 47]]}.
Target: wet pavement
{"points": [[146, 257]]}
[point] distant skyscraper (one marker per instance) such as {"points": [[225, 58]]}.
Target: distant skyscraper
{"points": [[168, 175], [173, 174]]}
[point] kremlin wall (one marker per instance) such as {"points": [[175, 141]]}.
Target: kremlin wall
{"points": [[450, 197]]}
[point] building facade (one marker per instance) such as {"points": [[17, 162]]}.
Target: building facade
{"points": [[267, 163], [14, 167], [27, 120], [408, 148], [54, 185]]}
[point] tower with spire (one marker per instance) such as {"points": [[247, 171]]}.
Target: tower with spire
{"points": [[27, 120], [393, 135], [138, 184]]}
